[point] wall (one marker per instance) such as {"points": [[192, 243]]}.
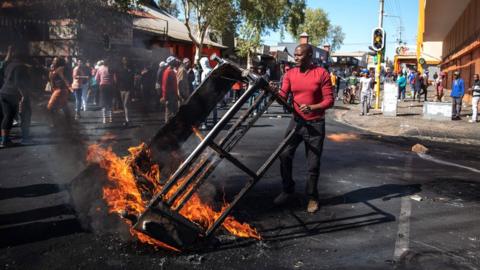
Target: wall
{"points": [[461, 47], [432, 50], [464, 31]]}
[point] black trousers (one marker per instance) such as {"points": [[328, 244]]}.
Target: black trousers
{"points": [[313, 135], [10, 109]]}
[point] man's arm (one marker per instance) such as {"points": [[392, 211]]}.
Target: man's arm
{"points": [[285, 86], [327, 94]]}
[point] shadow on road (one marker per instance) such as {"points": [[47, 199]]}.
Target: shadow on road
{"points": [[36, 224], [302, 225], [30, 191], [38, 231], [386, 192]]}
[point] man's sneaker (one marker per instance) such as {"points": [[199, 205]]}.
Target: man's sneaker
{"points": [[282, 198], [312, 206], [471, 121]]}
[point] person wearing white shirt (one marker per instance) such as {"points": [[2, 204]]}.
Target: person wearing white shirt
{"points": [[366, 92]]}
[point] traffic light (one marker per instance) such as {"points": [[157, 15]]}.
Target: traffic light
{"points": [[378, 40]]}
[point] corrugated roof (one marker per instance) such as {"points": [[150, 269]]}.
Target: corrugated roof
{"points": [[176, 29]]}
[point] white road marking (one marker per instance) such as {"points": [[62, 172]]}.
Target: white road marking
{"points": [[430, 158], [403, 233]]}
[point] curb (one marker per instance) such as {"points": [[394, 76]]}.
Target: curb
{"points": [[338, 116]]}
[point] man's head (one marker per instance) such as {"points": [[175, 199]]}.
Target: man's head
{"points": [[124, 61], [476, 77], [172, 61], [261, 70], [80, 62], [186, 62], [303, 55], [456, 74]]}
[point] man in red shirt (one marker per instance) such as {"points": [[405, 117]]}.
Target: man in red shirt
{"points": [[312, 95], [170, 95]]}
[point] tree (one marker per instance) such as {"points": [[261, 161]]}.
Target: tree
{"points": [[316, 25], [259, 16], [335, 37], [319, 28], [202, 16], [170, 6]]}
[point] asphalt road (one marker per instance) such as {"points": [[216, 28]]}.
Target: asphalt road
{"points": [[368, 219]]}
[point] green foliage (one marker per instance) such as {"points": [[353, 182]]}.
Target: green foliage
{"points": [[260, 16], [335, 37], [169, 6], [318, 26], [295, 16], [249, 40]]}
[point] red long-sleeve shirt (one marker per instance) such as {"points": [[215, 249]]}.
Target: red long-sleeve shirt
{"points": [[169, 84], [310, 87]]}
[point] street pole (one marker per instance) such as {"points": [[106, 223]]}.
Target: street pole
{"points": [[379, 62]]}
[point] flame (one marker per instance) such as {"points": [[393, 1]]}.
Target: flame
{"points": [[197, 133], [342, 137], [124, 194]]}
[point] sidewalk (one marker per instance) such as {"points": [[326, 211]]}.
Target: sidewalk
{"points": [[409, 122]]}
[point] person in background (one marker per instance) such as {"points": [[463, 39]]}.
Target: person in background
{"points": [[365, 92], [424, 87], [60, 90], [125, 85], [458, 90], [263, 73], [13, 94], [183, 81], [411, 82], [206, 69], [197, 76], [402, 86], [333, 78], [475, 98], [170, 93], [439, 86], [106, 79], [94, 87], [80, 87], [158, 78], [237, 90], [190, 74], [418, 82]]}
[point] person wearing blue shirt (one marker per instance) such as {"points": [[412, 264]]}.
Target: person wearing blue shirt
{"points": [[402, 85], [458, 90]]}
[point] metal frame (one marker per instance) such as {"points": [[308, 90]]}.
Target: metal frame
{"points": [[205, 163]]}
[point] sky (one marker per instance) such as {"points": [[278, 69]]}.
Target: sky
{"points": [[357, 19]]}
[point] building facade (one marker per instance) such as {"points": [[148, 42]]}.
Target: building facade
{"points": [[449, 36]]}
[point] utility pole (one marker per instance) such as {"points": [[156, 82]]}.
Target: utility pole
{"points": [[379, 62]]}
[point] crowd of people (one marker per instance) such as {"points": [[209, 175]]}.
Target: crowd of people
{"points": [[418, 84], [105, 86], [108, 85]]}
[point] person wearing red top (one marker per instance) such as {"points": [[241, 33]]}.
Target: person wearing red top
{"points": [[312, 95], [170, 95]]}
